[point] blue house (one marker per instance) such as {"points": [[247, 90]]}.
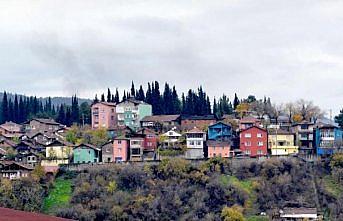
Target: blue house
{"points": [[328, 138], [220, 131]]}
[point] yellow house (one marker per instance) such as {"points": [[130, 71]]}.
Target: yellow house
{"points": [[281, 143], [57, 153]]}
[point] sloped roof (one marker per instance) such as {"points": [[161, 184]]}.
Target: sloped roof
{"points": [[106, 103], [2, 151], [46, 121], [161, 118], [279, 132], [301, 210], [16, 215], [195, 130], [144, 130], [249, 120], [260, 128], [173, 133], [10, 126], [198, 117], [19, 164], [134, 101], [87, 145]]}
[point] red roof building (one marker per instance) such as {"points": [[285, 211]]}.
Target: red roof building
{"points": [[16, 215]]}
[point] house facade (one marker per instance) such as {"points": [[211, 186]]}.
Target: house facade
{"points": [[220, 131], [121, 149], [195, 141], [14, 170], [219, 149], [43, 125], [328, 139], [104, 115], [136, 148], [130, 112], [150, 139], [281, 143], [11, 130], [188, 122], [162, 123], [170, 139], [304, 138], [254, 141], [56, 153], [107, 155], [86, 153], [28, 159]]}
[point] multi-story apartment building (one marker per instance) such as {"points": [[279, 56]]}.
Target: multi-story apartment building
{"points": [[136, 148], [328, 139], [304, 138], [130, 112], [254, 141], [104, 115], [195, 140], [281, 142]]}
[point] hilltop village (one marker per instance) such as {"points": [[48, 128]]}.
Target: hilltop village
{"points": [[131, 133]]}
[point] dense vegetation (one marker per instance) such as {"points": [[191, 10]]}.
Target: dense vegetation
{"points": [[176, 189]]}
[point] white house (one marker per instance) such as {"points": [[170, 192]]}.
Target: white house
{"points": [[195, 139]]}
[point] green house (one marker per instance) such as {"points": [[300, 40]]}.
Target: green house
{"points": [[86, 153]]}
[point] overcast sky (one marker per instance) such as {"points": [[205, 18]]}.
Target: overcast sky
{"points": [[287, 49]]}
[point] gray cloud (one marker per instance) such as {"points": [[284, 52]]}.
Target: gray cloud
{"points": [[283, 49]]}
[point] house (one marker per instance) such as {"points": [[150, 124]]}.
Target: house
{"points": [[328, 139], [195, 140], [304, 137], [107, 152], [162, 123], [298, 214], [220, 131], [25, 147], [11, 130], [282, 123], [43, 125], [219, 149], [7, 143], [248, 122], [86, 153], [28, 158], [136, 148], [254, 141], [14, 170], [150, 139], [130, 112], [38, 137], [170, 139], [104, 115], [120, 149], [281, 143], [188, 122], [56, 153]]}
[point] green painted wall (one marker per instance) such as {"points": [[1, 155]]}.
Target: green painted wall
{"points": [[85, 155], [144, 110]]}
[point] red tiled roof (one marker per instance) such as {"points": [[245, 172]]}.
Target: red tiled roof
{"points": [[161, 118], [16, 215], [195, 130]]}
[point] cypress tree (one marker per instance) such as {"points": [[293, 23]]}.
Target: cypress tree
{"points": [[124, 96], [167, 100], [68, 120], [148, 97], [16, 109], [176, 102], [116, 97], [61, 115], [21, 113], [215, 107], [102, 98], [133, 91], [141, 95], [75, 110], [236, 102], [5, 111], [10, 110], [109, 95], [183, 104], [96, 100]]}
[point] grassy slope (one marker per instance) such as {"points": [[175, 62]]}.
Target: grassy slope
{"points": [[59, 196]]}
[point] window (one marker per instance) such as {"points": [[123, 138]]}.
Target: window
{"points": [[247, 135], [119, 141], [260, 143], [198, 143], [247, 152], [259, 152], [304, 127], [247, 144], [259, 135]]}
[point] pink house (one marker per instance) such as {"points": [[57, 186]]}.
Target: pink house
{"points": [[104, 115], [219, 149], [120, 149]]}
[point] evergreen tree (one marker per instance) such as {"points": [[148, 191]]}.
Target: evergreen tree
{"points": [[176, 102], [148, 97], [10, 110], [156, 99], [109, 95], [5, 111], [102, 98], [112, 98], [141, 95], [75, 110], [236, 102], [61, 116], [133, 91], [183, 103], [96, 100], [21, 113], [168, 106], [16, 109], [124, 96], [68, 118], [116, 97], [215, 107]]}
